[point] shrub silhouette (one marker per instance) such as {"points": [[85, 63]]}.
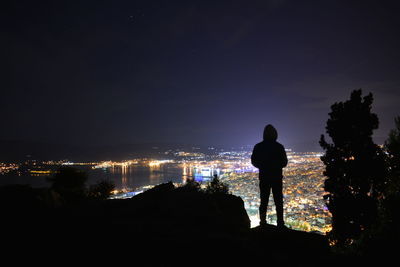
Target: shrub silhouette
{"points": [[101, 190], [216, 187], [190, 186], [354, 166]]}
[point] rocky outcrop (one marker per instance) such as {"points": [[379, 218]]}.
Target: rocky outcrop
{"points": [[168, 226]]}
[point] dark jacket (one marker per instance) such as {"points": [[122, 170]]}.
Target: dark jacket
{"points": [[269, 157]]}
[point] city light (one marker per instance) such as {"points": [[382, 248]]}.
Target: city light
{"points": [[304, 206]]}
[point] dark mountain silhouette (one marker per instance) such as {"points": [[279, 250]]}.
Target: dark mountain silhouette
{"points": [[21, 150], [164, 226]]}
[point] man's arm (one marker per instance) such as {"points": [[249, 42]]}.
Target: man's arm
{"points": [[255, 157], [284, 157]]}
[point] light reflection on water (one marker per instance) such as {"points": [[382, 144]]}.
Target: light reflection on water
{"points": [[132, 176], [124, 176]]}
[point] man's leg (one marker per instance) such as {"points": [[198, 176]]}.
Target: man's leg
{"points": [[278, 199], [265, 188]]}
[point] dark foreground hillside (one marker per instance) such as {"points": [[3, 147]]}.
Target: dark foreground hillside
{"points": [[165, 226]]}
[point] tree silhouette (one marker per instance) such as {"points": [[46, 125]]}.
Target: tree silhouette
{"points": [[70, 183], [391, 202], [377, 242], [392, 146], [354, 166]]}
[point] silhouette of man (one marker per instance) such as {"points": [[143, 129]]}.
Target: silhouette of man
{"points": [[269, 157]]}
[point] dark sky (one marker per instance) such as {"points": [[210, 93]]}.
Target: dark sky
{"points": [[199, 72]]}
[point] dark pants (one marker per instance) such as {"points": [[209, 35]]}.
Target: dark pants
{"points": [[266, 184]]}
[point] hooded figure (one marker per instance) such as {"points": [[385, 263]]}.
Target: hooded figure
{"points": [[269, 157]]}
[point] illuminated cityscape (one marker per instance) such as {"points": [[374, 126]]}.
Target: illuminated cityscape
{"points": [[303, 180]]}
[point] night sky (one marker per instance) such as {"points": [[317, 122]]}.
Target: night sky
{"points": [[197, 72]]}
